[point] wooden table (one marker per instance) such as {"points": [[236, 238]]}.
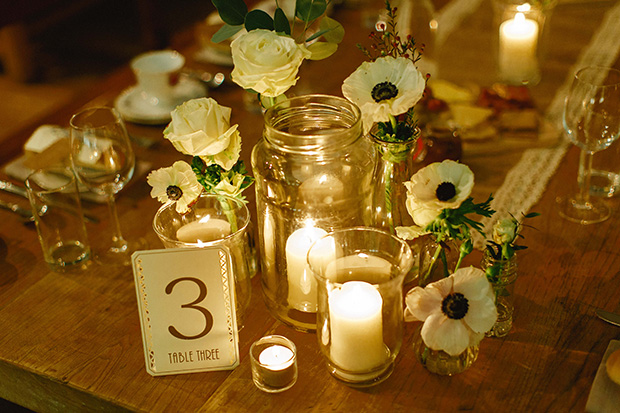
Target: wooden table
{"points": [[72, 342]]}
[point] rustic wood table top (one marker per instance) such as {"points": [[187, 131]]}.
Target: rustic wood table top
{"points": [[72, 341]]}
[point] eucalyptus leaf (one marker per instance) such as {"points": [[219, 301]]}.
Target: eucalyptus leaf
{"points": [[258, 19], [280, 22], [232, 12], [225, 32], [334, 32], [310, 10], [322, 50]]}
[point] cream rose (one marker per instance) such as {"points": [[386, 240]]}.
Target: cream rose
{"points": [[266, 62], [201, 127]]}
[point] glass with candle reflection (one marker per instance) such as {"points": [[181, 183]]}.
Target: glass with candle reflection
{"points": [[359, 273], [214, 220], [520, 39]]}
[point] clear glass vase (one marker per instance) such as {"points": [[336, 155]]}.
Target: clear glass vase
{"points": [[502, 274], [359, 274], [440, 362], [396, 163], [434, 265], [214, 220], [313, 171]]}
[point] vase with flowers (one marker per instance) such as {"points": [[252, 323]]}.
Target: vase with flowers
{"points": [[387, 88], [204, 201], [439, 202], [500, 265]]}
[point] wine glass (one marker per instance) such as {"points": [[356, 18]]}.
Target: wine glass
{"points": [[104, 161], [592, 122]]}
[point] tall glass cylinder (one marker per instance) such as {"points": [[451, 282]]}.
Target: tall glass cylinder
{"points": [[313, 173], [360, 273]]}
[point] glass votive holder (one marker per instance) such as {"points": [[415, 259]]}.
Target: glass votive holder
{"points": [[520, 39], [274, 363], [360, 273], [214, 221]]}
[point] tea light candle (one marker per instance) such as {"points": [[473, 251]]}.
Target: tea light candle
{"points": [[302, 293], [518, 40], [356, 327], [274, 363], [203, 231]]}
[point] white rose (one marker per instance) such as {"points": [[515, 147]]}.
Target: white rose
{"points": [[201, 127], [266, 62]]}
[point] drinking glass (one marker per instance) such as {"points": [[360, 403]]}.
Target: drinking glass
{"points": [[592, 122], [104, 161]]}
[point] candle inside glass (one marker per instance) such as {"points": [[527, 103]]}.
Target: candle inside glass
{"points": [[518, 39], [204, 230], [274, 363]]}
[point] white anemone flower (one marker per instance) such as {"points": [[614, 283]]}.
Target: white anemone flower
{"points": [[438, 186], [176, 183], [457, 311], [387, 86]]}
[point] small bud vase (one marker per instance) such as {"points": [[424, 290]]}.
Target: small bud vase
{"points": [[502, 275], [440, 362], [432, 266]]}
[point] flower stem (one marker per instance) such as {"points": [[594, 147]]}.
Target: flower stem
{"points": [[230, 214], [438, 251]]}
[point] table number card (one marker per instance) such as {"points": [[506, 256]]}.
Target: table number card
{"points": [[187, 310]]}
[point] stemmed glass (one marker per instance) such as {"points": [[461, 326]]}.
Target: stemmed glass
{"points": [[592, 122], [104, 161]]}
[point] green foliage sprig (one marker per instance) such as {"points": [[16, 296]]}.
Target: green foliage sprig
{"points": [[210, 176]]}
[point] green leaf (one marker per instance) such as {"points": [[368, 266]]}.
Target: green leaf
{"points": [[321, 50], [280, 22], [310, 10], [334, 32], [231, 11], [258, 19], [225, 32]]}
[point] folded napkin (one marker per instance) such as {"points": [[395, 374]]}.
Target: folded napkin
{"points": [[604, 394]]}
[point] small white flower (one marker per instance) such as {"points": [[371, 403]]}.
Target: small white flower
{"points": [[201, 127], [176, 183], [505, 231], [456, 310], [266, 62], [387, 86], [438, 186]]}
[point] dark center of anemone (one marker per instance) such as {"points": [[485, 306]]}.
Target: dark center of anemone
{"points": [[445, 191], [455, 306], [384, 91], [174, 193]]}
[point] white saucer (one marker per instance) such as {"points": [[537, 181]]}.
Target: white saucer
{"points": [[133, 107]]}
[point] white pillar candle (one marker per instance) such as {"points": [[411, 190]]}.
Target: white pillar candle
{"points": [[518, 40], [356, 327], [203, 231], [302, 293]]}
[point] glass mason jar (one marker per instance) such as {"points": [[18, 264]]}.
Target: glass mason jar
{"points": [[214, 220], [360, 274], [502, 274], [313, 171], [520, 39], [440, 362]]}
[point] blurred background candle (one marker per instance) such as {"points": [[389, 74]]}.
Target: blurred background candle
{"points": [[274, 363], [301, 282], [356, 327], [518, 41]]}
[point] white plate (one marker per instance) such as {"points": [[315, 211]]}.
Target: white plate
{"points": [[134, 108]]}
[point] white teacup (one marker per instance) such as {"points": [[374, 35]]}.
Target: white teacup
{"points": [[157, 72]]}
